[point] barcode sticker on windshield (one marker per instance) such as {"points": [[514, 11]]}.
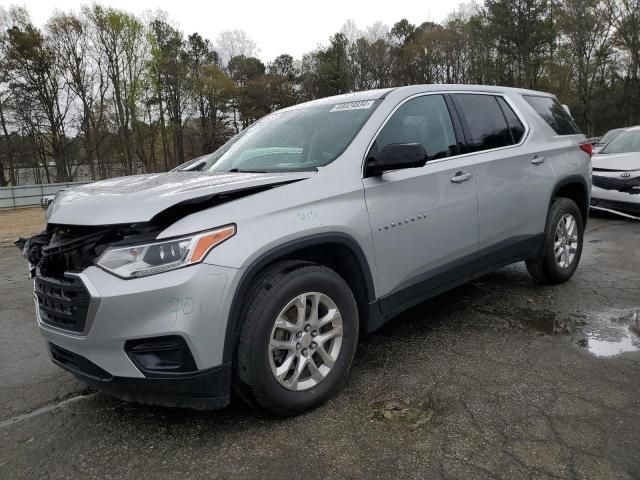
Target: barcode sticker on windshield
{"points": [[361, 105]]}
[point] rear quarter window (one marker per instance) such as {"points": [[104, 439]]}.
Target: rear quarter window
{"points": [[554, 114]]}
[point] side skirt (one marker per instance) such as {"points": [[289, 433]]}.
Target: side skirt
{"points": [[451, 275]]}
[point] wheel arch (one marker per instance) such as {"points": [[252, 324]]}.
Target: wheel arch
{"points": [[573, 187], [338, 251]]}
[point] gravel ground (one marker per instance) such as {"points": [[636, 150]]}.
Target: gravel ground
{"points": [[497, 379]]}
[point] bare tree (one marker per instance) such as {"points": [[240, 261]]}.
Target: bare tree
{"points": [[233, 43], [5, 99], [73, 42], [169, 67], [121, 42], [36, 76]]}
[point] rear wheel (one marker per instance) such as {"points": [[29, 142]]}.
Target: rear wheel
{"points": [[298, 338], [562, 248]]}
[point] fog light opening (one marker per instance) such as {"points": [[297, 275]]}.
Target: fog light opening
{"points": [[161, 356]]}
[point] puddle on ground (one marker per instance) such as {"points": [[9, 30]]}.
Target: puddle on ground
{"points": [[604, 334], [614, 332], [408, 414], [548, 322]]}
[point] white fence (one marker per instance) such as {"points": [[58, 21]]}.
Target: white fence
{"points": [[25, 195]]}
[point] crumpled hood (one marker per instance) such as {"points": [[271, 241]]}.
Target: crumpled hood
{"points": [[617, 161], [139, 198]]}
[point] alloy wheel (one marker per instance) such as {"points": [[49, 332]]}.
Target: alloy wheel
{"points": [[565, 243], [305, 341]]}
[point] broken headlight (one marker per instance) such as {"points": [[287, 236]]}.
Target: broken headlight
{"points": [[135, 261]]}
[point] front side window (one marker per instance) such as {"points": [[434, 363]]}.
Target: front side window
{"points": [[299, 139], [626, 142], [424, 120], [485, 124]]}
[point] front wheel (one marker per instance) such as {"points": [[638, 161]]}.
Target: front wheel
{"points": [[298, 338], [564, 235]]}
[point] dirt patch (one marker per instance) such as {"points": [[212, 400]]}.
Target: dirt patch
{"points": [[20, 222], [404, 413]]}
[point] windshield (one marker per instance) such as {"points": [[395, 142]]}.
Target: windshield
{"points": [[299, 139], [608, 136], [626, 142]]}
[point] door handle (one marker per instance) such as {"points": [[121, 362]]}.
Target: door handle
{"points": [[461, 177], [538, 160]]}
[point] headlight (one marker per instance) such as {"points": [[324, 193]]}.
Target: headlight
{"points": [[135, 261]]}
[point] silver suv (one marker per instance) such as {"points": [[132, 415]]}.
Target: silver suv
{"points": [[258, 267]]}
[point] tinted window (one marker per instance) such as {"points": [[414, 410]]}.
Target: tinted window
{"points": [[515, 125], [554, 114], [423, 120], [485, 125]]}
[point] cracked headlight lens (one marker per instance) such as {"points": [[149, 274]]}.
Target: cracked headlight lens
{"points": [[134, 261]]}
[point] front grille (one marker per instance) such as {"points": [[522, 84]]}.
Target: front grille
{"points": [[63, 303], [621, 184], [77, 363]]}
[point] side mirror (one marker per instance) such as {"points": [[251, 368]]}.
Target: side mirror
{"points": [[395, 157]]}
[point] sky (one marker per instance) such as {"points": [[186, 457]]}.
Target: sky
{"points": [[277, 26]]}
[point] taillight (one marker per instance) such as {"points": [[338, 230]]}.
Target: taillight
{"points": [[587, 148]]}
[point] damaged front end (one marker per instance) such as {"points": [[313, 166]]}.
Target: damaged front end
{"points": [[72, 248], [58, 254], [31, 249]]}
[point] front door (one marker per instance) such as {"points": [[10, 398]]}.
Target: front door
{"points": [[424, 220]]}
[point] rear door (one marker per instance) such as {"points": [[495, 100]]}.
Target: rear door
{"points": [[513, 183], [424, 220]]}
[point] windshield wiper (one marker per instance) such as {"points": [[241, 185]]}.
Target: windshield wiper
{"points": [[242, 170], [193, 167], [275, 170]]}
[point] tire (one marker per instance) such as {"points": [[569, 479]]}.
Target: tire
{"points": [[289, 290], [547, 268]]}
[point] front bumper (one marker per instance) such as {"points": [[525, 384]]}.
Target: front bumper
{"points": [[202, 390], [627, 204], [190, 303]]}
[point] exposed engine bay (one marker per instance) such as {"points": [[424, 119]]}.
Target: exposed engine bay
{"points": [[72, 248]]}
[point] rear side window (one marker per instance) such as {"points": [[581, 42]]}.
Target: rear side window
{"points": [[485, 124], [515, 125], [554, 114]]}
